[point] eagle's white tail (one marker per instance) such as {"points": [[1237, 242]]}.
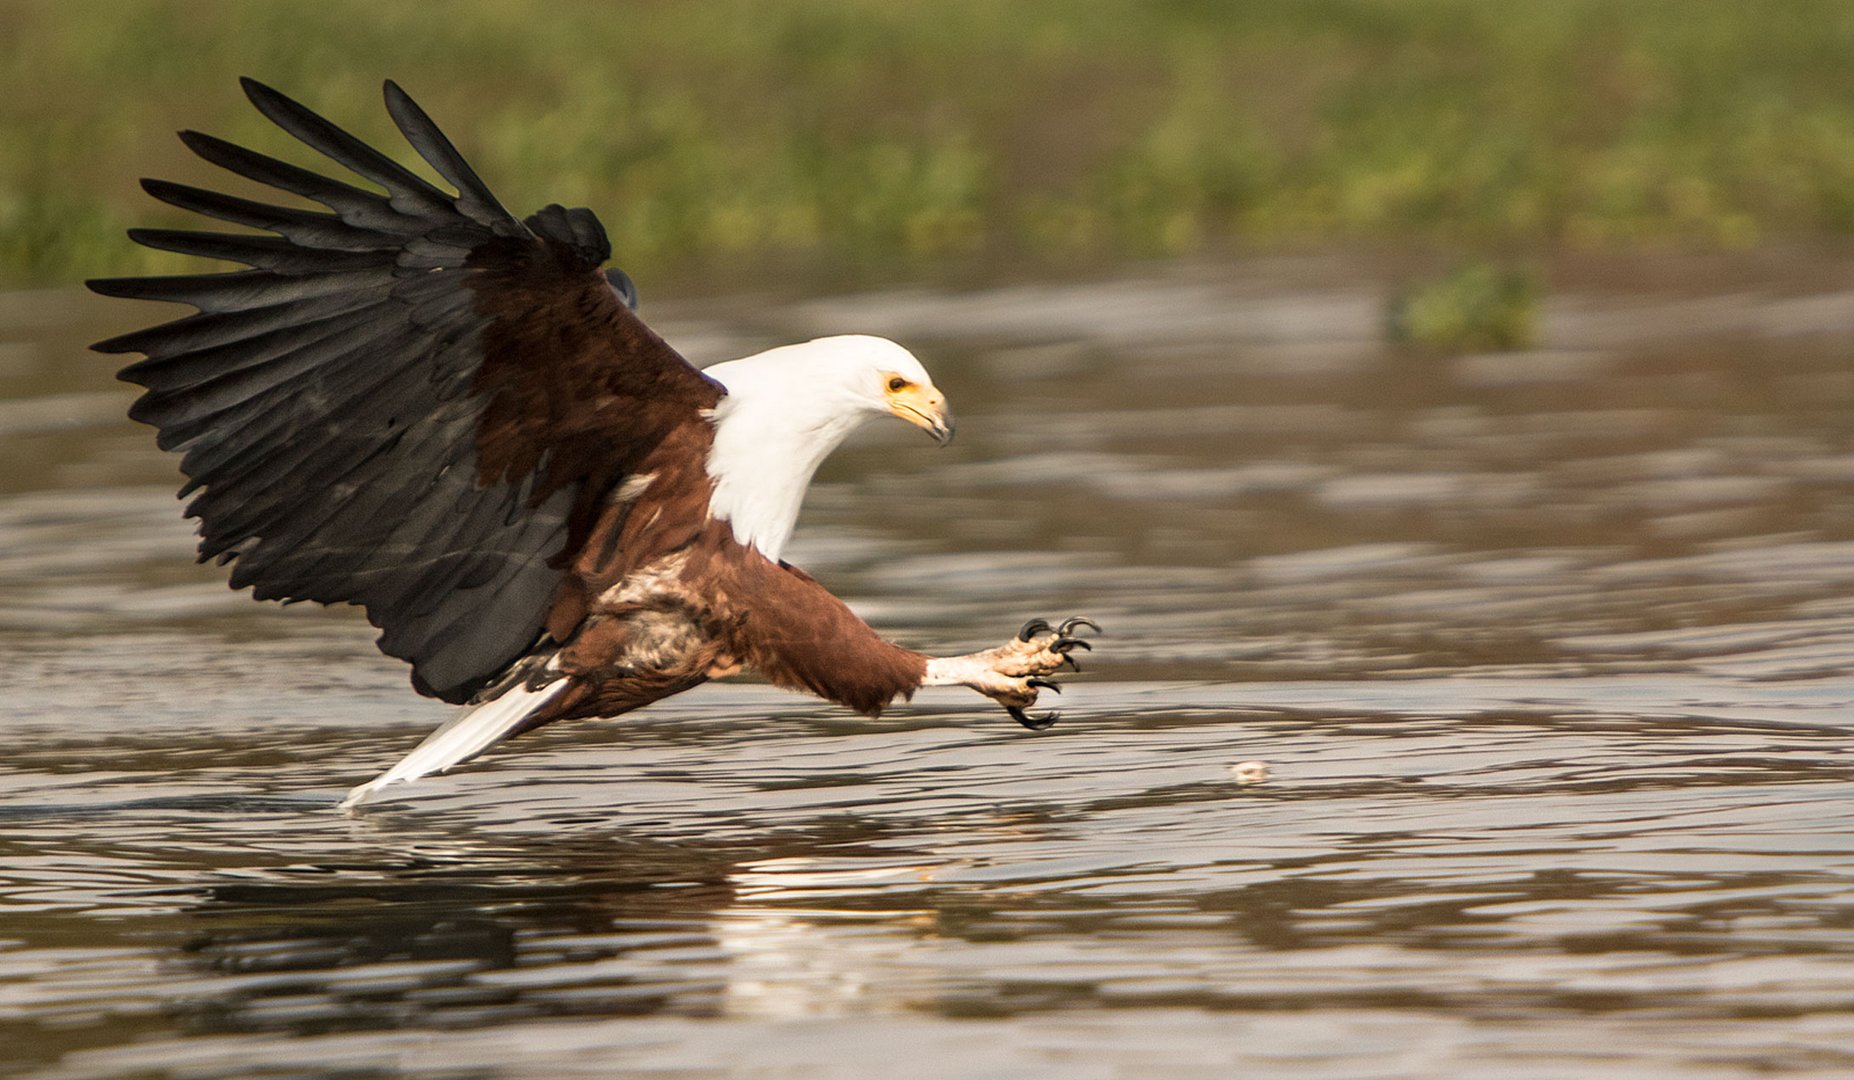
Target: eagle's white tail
{"points": [[461, 738]]}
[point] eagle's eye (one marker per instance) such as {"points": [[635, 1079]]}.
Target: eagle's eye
{"points": [[897, 383]]}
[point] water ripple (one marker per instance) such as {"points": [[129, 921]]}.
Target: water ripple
{"points": [[1546, 656]]}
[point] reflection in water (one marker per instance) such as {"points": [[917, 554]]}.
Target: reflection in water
{"points": [[1547, 655], [453, 933]]}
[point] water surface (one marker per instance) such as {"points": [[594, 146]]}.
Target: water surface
{"points": [[1550, 656]]}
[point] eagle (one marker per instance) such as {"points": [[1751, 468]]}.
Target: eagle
{"points": [[413, 401]]}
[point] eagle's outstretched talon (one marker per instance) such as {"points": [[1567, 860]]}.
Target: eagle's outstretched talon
{"points": [[1034, 723], [1064, 646], [1012, 673], [1067, 629]]}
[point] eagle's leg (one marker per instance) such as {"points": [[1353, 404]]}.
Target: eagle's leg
{"points": [[1012, 673]]}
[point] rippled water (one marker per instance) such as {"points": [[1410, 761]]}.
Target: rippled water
{"points": [[1550, 656]]}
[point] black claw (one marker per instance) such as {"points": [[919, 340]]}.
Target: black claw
{"points": [[1068, 625], [1043, 684], [1063, 645], [1034, 723], [1070, 660], [1032, 629]]}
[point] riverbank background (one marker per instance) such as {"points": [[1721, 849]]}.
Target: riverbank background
{"points": [[727, 142]]}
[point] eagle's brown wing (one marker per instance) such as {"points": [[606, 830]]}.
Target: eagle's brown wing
{"points": [[414, 402]]}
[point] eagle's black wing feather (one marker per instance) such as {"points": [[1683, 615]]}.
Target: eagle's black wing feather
{"points": [[407, 403]]}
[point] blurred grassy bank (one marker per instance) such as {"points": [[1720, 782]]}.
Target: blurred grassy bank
{"points": [[719, 136]]}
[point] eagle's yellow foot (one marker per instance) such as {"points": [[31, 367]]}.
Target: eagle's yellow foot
{"points": [[1044, 649], [1012, 673]]}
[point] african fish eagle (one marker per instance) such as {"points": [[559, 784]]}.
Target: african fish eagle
{"points": [[418, 403]]}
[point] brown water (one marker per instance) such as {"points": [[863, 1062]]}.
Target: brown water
{"points": [[1551, 656]]}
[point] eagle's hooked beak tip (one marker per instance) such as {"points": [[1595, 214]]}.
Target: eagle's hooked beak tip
{"points": [[932, 416]]}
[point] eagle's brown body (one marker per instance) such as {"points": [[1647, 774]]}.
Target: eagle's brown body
{"points": [[676, 600]]}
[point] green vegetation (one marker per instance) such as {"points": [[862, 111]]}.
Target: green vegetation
{"points": [[1477, 307], [728, 138]]}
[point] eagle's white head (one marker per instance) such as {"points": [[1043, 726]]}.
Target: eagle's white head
{"points": [[786, 409]]}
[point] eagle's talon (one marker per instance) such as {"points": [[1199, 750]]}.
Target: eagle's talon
{"points": [[1063, 645], [1032, 629], [1034, 723], [1068, 626], [1043, 684]]}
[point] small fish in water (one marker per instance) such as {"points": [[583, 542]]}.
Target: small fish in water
{"points": [[1250, 772]]}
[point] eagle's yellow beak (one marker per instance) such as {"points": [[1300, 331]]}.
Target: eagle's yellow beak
{"points": [[921, 405]]}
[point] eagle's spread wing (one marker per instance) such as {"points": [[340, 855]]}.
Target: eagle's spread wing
{"points": [[414, 402]]}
